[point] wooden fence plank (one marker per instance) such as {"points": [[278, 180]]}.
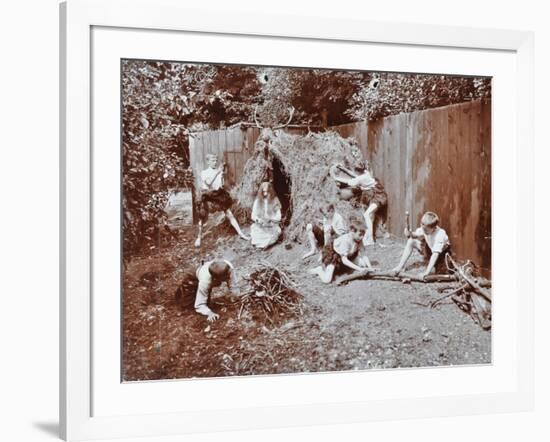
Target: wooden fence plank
{"points": [[403, 206]]}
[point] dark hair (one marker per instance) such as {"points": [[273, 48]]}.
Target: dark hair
{"points": [[356, 226], [219, 270], [328, 208]]}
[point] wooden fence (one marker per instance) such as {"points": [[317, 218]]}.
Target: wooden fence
{"points": [[235, 146], [437, 159]]}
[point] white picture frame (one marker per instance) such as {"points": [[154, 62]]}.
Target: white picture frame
{"points": [[78, 372]]}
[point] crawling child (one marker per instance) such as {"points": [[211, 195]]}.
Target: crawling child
{"points": [[209, 275]]}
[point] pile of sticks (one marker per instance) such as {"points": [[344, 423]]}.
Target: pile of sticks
{"points": [[470, 296], [272, 294]]}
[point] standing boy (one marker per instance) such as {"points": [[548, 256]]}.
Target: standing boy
{"points": [[214, 198], [430, 240]]}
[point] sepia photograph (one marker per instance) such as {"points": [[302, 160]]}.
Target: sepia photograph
{"points": [[285, 220]]}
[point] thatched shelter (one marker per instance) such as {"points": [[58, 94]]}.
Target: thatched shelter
{"points": [[298, 166]]}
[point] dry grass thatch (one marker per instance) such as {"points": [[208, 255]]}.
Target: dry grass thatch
{"points": [[306, 160]]}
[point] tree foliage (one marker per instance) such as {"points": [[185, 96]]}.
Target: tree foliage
{"points": [[392, 93], [161, 104]]}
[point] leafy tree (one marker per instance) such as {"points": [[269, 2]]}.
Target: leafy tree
{"points": [[392, 93], [161, 104]]}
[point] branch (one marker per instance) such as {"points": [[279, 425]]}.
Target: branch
{"points": [[391, 276], [256, 118], [292, 109], [470, 280]]}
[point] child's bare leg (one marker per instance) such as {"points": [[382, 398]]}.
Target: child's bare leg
{"points": [[324, 273], [409, 247], [198, 240], [312, 242], [369, 221], [235, 224]]}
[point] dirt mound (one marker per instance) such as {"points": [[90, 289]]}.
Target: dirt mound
{"points": [[298, 166]]}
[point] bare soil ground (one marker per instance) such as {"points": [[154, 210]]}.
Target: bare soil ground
{"points": [[363, 325]]}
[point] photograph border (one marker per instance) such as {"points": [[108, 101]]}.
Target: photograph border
{"points": [[77, 17]]}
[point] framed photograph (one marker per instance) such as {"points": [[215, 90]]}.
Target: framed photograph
{"points": [[326, 221]]}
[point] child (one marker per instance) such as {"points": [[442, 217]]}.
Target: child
{"points": [[367, 189], [214, 198], [430, 240], [320, 235], [266, 215], [209, 275], [345, 251]]}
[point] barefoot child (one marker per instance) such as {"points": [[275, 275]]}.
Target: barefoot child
{"points": [[214, 198], [209, 275], [430, 240], [346, 251], [332, 226], [367, 189]]}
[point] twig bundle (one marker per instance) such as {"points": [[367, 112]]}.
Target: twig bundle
{"points": [[472, 298], [272, 294]]}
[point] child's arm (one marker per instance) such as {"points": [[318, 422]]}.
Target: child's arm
{"points": [[256, 212], [277, 216], [201, 305], [335, 177], [365, 261], [415, 234], [346, 261], [349, 172], [431, 265], [220, 170]]}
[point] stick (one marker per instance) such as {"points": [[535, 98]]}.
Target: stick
{"points": [[477, 288], [390, 276], [447, 295], [345, 171]]}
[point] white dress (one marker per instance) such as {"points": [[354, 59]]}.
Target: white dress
{"points": [[265, 229]]}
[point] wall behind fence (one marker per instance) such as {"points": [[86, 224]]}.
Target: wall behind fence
{"points": [[438, 159]]}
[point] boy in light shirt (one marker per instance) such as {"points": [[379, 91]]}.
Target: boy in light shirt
{"points": [[320, 235], [209, 275], [430, 240], [346, 251], [214, 197]]}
